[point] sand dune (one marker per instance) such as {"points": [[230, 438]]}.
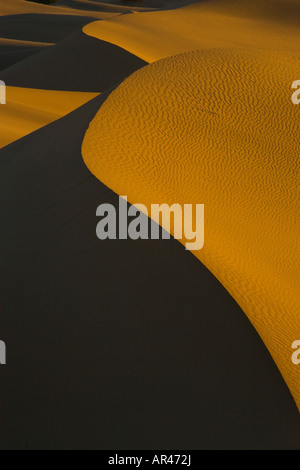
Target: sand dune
{"points": [[262, 24], [89, 8], [15, 7], [58, 68], [32, 70], [49, 28], [13, 51], [78, 63], [111, 7], [134, 341], [4, 42], [137, 344], [29, 109], [218, 127]]}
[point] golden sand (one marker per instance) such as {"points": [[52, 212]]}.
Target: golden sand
{"points": [[28, 110], [92, 9], [262, 24], [218, 127], [18, 7]]}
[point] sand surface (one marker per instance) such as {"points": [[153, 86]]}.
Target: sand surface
{"points": [[13, 51], [140, 332], [16, 7], [142, 344], [262, 24], [218, 127], [65, 66], [28, 110]]}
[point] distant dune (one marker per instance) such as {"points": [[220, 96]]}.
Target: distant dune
{"points": [[77, 63], [13, 51], [218, 127], [262, 24], [28, 110], [16, 7]]}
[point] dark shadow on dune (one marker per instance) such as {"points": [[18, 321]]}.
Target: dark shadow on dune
{"points": [[41, 28], [45, 2], [132, 5], [80, 63], [11, 55], [93, 5], [118, 345], [159, 4]]}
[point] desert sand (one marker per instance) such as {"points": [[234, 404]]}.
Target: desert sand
{"points": [[29, 109], [211, 26], [64, 66], [142, 344], [117, 337], [262, 24], [21, 7], [229, 139], [13, 51]]}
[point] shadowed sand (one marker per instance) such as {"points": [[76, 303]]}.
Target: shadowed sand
{"points": [[15, 7], [123, 345], [40, 28], [62, 67], [118, 345], [65, 66], [87, 8], [13, 51], [218, 127], [27, 110]]}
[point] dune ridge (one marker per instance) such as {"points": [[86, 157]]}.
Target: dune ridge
{"points": [[16, 7], [28, 109], [64, 66], [75, 290], [218, 127], [89, 8], [14, 50], [262, 24], [165, 357]]}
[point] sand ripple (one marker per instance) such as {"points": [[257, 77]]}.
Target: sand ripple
{"points": [[218, 127]]}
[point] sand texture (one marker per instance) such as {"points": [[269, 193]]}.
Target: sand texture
{"points": [[218, 127], [262, 24], [141, 344], [29, 109]]}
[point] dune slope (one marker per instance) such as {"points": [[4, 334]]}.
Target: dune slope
{"points": [[29, 109], [262, 24], [15, 7], [78, 63], [218, 127], [137, 344], [49, 28], [103, 334]]}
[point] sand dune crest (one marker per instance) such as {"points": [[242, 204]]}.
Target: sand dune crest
{"points": [[218, 127], [262, 24], [27, 110]]}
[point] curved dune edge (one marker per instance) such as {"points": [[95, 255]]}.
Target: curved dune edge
{"points": [[27, 110], [16, 7], [88, 8], [218, 127], [260, 24]]}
